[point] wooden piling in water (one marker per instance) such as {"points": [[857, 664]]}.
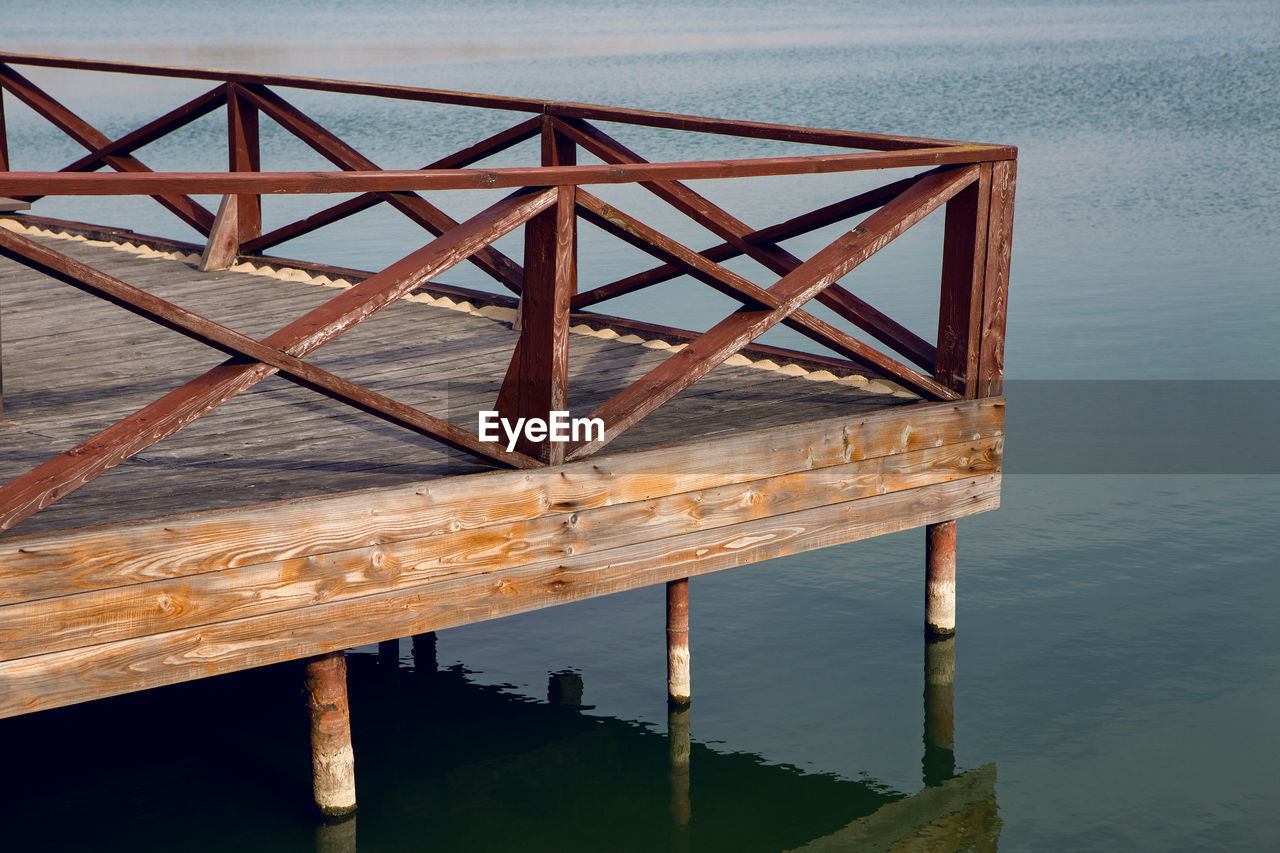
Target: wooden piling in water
{"points": [[332, 759], [940, 579], [678, 692]]}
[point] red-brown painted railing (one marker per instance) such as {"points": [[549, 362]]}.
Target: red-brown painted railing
{"points": [[975, 183]]}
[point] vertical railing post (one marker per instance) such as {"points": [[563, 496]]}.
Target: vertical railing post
{"points": [[538, 377], [995, 292], [4, 167], [4, 136], [240, 216], [976, 250], [243, 156], [964, 255]]}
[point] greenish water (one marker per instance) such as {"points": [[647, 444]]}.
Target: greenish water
{"points": [[1118, 659]]}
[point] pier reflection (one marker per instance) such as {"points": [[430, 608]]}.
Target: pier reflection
{"points": [[464, 766], [939, 762]]}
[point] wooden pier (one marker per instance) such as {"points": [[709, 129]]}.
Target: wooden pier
{"points": [[245, 466]]}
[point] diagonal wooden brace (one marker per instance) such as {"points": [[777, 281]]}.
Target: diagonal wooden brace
{"points": [[459, 159], [186, 208], [497, 265], [59, 476], [728, 336], [778, 260], [752, 296]]}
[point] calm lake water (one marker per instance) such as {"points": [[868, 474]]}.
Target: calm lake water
{"points": [[1118, 658]]}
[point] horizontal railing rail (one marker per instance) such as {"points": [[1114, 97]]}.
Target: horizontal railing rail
{"points": [[973, 183]]}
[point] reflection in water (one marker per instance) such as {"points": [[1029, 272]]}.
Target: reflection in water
{"points": [[425, 661], [462, 766], [939, 760], [565, 689], [337, 837], [679, 750]]}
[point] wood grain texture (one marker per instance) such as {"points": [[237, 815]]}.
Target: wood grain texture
{"points": [[46, 483], [235, 344], [513, 177], [540, 362], [47, 565], [995, 295], [60, 678], [71, 621], [153, 130], [243, 155], [224, 237], [964, 258]]}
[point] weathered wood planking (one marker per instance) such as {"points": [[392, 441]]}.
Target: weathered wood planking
{"points": [[45, 565], [59, 394], [60, 678], [69, 621]]}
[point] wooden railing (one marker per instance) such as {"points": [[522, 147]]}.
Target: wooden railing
{"points": [[975, 184]]}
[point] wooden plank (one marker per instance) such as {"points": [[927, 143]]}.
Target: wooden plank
{"points": [[73, 621], [61, 678], [794, 289], [540, 361], [964, 257], [243, 156], [186, 208], [995, 294], [746, 129], [393, 181], [224, 237], [59, 476], [411, 93], [70, 561]]}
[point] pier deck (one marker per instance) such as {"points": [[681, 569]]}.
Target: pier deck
{"points": [[209, 467], [74, 364], [759, 462]]}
